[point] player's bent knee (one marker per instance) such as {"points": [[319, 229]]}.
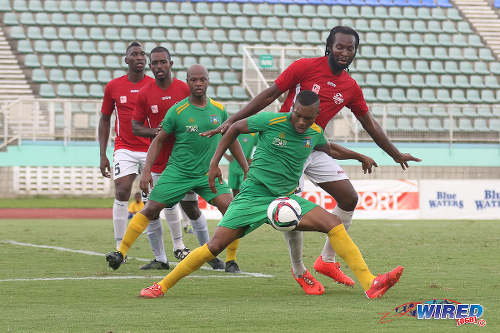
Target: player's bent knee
{"points": [[191, 209], [152, 210]]}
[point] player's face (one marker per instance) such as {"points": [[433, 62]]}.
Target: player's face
{"points": [[160, 65], [343, 50], [303, 116], [197, 80], [136, 59]]}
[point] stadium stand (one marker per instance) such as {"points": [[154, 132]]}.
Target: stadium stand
{"points": [[417, 52]]}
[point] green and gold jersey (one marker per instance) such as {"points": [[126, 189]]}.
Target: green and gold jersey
{"points": [[281, 151], [247, 142], [192, 153]]}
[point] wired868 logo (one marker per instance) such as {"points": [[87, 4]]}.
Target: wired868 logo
{"points": [[438, 309]]}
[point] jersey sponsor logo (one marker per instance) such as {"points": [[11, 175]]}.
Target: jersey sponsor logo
{"points": [[316, 88], [123, 99], [191, 120], [191, 128], [331, 84], [214, 119], [280, 141], [307, 142], [338, 98], [154, 108], [164, 98], [245, 140], [134, 90]]}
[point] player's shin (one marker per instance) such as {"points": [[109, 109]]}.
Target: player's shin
{"points": [[120, 220], [191, 263], [345, 247], [328, 254], [155, 236], [136, 226], [231, 250], [295, 240]]}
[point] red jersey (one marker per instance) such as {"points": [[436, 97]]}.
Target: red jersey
{"points": [[153, 103], [335, 91], [120, 95]]}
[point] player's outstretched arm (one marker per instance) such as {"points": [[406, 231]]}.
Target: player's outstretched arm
{"points": [[154, 150], [258, 103], [227, 140], [341, 153], [103, 134], [378, 135]]}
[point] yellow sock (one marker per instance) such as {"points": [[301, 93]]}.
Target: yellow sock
{"points": [[188, 265], [231, 250], [135, 227], [345, 247]]}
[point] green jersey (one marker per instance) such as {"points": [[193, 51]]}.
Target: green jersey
{"points": [[247, 142], [192, 153], [281, 151]]}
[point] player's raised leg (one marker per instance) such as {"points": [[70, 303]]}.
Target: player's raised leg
{"points": [[320, 220]]}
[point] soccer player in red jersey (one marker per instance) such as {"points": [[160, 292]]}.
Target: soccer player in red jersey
{"points": [[326, 76], [153, 102], [120, 96]]}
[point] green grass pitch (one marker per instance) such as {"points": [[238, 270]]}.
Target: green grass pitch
{"points": [[443, 259]]}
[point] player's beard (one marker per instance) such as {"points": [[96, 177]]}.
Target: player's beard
{"points": [[335, 66]]}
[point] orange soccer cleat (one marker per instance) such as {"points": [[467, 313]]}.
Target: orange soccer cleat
{"points": [[153, 291], [383, 282], [332, 270], [310, 285]]}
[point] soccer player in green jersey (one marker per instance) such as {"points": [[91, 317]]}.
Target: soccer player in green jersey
{"points": [[189, 161], [235, 174], [285, 142]]}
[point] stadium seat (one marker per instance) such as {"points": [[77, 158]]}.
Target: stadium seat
{"points": [[488, 96], [404, 124], [46, 91], [401, 39], [443, 96], [494, 125], [398, 95], [449, 27], [64, 90], [458, 96], [485, 55], [461, 81], [383, 95], [236, 63], [41, 46], [72, 76], [480, 125], [425, 52], [89, 47], [475, 41], [434, 125], [447, 81], [465, 125], [419, 124], [65, 61], [97, 61], [223, 93], [88, 76], [215, 78], [96, 91]]}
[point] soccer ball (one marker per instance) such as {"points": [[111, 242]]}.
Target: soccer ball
{"points": [[284, 214]]}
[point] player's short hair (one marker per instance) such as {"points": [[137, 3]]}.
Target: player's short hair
{"points": [[131, 45], [307, 97], [344, 30], [159, 49]]}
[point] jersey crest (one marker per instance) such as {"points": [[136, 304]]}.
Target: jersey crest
{"points": [[123, 99], [214, 119], [154, 108], [307, 142], [338, 98]]}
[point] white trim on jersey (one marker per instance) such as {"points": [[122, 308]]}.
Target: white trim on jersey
{"points": [[297, 91], [117, 125]]}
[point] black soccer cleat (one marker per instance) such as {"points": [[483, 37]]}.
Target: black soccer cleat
{"points": [[216, 263], [114, 259], [155, 264], [232, 267], [180, 254]]}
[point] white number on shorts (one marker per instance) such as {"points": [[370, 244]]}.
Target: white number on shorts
{"points": [[117, 169]]}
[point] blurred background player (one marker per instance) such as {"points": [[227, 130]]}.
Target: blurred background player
{"points": [[235, 173], [152, 104], [120, 96], [135, 205], [327, 76], [188, 165]]}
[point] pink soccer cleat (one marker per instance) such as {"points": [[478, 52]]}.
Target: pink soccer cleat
{"points": [[153, 291], [332, 270], [383, 282]]}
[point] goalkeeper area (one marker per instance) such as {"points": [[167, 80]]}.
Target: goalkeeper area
{"points": [[54, 278]]}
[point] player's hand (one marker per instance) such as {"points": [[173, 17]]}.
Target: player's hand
{"points": [[214, 172], [367, 163], [403, 159], [105, 167], [221, 129], [245, 171], [146, 182], [157, 130]]}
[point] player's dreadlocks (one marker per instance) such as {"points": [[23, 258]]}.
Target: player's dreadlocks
{"points": [[345, 30]]}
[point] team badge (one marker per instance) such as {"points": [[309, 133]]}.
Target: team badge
{"points": [[338, 98], [316, 88], [123, 99], [307, 142], [154, 108], [214, 119]]}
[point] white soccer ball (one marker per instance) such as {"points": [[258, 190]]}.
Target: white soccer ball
{"points": [[284, 214]]}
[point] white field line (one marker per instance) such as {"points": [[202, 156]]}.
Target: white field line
{"points": [[155, 277], [93, 253]]}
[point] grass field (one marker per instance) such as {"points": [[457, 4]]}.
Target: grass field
{"points": [[443, 259]]}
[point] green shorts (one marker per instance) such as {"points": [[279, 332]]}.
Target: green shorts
{"points": [[249, 208], [172, 187], [234, 180]]}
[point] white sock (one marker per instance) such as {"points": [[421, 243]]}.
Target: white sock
{"points": [[294, 242], [120, 220], [175, 225], [328, 254], [200, 228], [184, 218], [155, 236]]}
